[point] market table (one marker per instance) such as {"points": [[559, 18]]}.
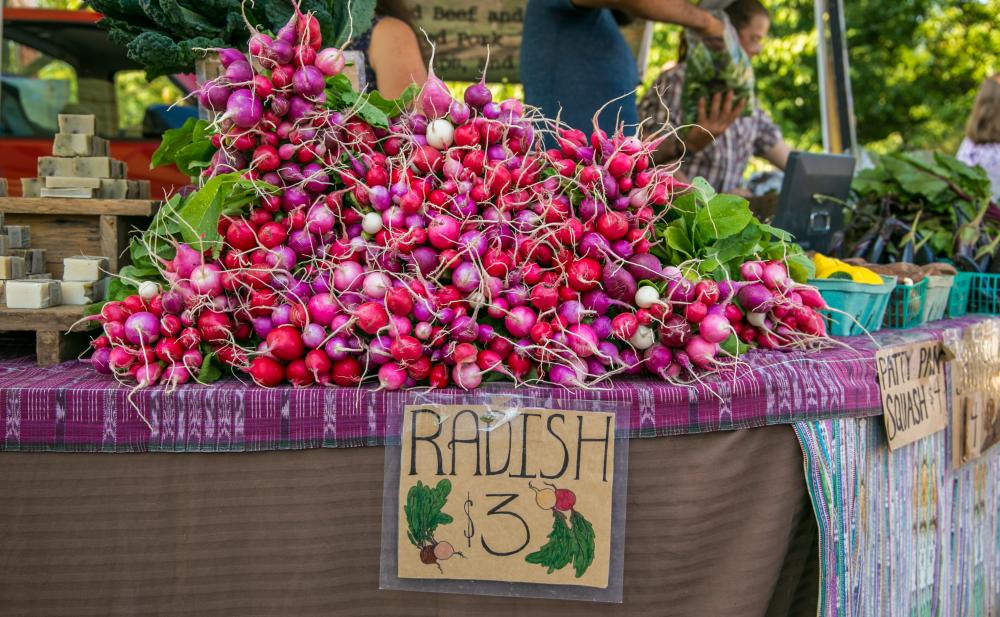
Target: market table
{"points": [[718, 519]]}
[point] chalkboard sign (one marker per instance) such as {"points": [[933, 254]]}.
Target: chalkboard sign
{"points": [[462, 31]]}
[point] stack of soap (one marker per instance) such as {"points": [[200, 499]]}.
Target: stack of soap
{"points": [[84, 279], [34, 259], [18, 236], [80, 166], [32, 294]]}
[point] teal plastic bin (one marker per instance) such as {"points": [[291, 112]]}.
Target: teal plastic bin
{"points": [[938, 291], [864, 305], [906, 305], [984, 293], [958, 298]]}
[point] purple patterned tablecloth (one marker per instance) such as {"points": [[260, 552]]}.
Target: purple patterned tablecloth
{"points": [[71, 408]]}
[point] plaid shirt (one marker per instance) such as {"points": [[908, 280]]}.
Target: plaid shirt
{"points": [[721, 163]]}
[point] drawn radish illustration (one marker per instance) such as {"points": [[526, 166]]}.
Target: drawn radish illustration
{"points": [[571, 541], [423, 516]]}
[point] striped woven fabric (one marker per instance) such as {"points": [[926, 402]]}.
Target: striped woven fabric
{"points": [[71, 408]]}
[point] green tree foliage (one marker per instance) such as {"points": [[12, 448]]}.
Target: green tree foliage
{"points": [[915, 68]]}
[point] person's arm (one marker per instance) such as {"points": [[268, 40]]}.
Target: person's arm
{"points": [[778, 154], [680, 12], [711, 123], [395, 57], [769, 142]]}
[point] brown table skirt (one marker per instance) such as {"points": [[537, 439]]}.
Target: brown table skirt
{"points": [[718, 525]]}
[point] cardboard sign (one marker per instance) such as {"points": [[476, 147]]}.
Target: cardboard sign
{"points": [[913, 391], [523, 496], [975, 385], [462, 31]]}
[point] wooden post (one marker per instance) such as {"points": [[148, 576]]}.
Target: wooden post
{"points": [[109, 241]]}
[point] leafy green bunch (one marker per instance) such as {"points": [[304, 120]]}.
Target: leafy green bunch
{"points": [[163, 35], [573, 543], [909, 206], [423, 511], [713, 69], [710, 234]]}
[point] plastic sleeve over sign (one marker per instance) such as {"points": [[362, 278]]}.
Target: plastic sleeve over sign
{"points": [[506, 494]]}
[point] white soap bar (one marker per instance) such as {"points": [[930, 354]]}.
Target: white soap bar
{"points": [[12, 268], [76, 193], [83, 292], [85, 268], [55, 166], [60, 182], [32, 294], [84, 124], [31, 187], [75, 144], [18, 236]]}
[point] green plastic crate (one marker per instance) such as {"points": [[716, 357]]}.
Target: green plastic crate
{"points": [[958, 298], [984, 293], [906, 306], [938, 292], [863, 304]]}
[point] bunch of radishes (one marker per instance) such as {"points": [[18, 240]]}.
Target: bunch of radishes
{"points": [[447, 247]]}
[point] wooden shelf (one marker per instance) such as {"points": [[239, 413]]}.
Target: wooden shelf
{"points": [[93, 207], [59, 318], [59, 333]]}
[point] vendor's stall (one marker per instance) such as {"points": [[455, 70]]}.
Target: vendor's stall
{"points": [[446, 345], [297, 532]]}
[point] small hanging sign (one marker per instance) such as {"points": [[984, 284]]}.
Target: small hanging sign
{"points": [[913, 391]]}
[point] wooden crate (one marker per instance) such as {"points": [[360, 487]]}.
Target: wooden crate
{"points": [[73, 227], [59, 333]]}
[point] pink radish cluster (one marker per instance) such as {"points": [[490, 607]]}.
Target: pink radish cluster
{"points": [[446, 248]]}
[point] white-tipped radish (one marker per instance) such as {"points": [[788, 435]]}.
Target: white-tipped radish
{"points": [[643, 338], [372, 223], [148, 290], [756, 319], [646, 296], [440, 134]]}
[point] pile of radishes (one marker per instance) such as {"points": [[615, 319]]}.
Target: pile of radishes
{"points": [[446, 248]]}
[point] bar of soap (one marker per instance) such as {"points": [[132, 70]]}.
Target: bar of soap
{"points": [[4, 246], [83, 292], [77, 193], [31, 187], [66, 182], [113, 189], [55, 166], [34, 259], [18, 236], [92, 167], [32, 294], [11, 268], [83, 124], [43, 276], [85, 268], [76, 144]]}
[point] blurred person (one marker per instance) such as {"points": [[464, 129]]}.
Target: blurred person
{"points": [[981, 145], [719, 147], [393, 59], [574, 59]]}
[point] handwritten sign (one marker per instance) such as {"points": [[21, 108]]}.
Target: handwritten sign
{"points": [[517, 496], [461, 32], [975, 383], [913, 391]]}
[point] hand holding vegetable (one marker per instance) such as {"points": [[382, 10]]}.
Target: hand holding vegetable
{"points": [[722, 112]]}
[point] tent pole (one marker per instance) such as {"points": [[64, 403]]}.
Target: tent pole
{"points": [[836, 100]]}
